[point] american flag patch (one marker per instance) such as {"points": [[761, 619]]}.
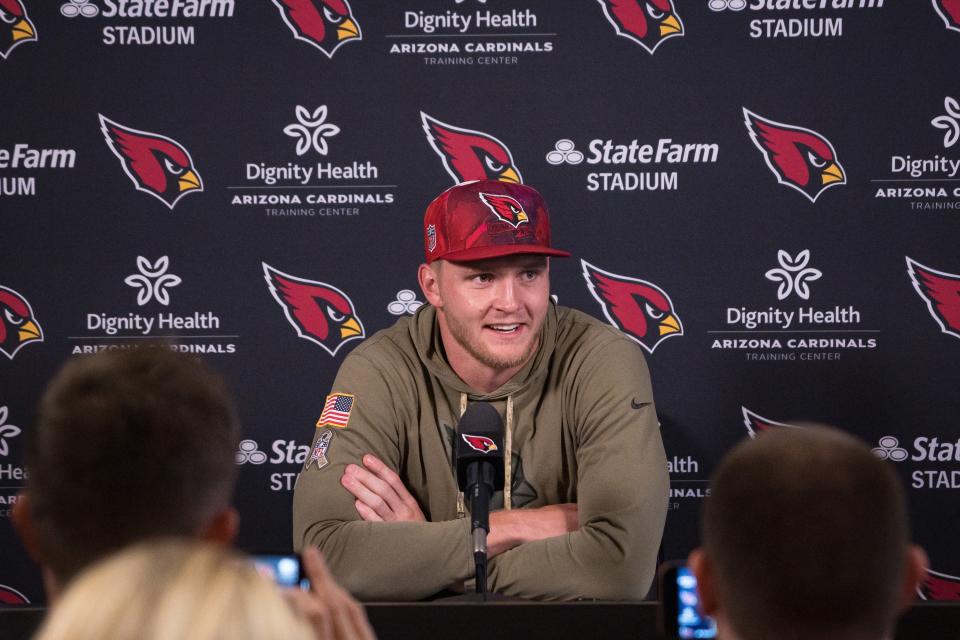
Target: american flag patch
{"points": [[336, 411]]}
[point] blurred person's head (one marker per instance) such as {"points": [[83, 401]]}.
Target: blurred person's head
{"points": [[805, 535], [170, 589], [128, 444]]}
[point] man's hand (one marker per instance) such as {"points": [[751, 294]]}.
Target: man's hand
{"points": [[380, 494], [330, 610], [509, 529]]}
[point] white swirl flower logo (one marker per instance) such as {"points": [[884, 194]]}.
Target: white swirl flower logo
{"points": [[310, 130], [950, 121], [153, 281], [6, 431], [793, 274]]}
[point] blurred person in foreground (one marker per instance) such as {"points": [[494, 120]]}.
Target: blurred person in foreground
{"points": [[130, 445], [805, 536]]}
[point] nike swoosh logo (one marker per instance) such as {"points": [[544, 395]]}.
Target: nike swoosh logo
{"points": [[636, 405]]}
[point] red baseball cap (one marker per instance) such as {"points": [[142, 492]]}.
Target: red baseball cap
{"points": [[487, 219]]}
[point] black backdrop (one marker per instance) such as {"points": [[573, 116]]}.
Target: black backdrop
{"points": [[721, 232]]}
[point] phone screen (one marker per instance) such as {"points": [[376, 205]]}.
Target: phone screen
{"points": [[691, 623], [284, 570]]}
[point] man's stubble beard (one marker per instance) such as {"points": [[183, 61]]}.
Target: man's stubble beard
{"points": [[482, 355]]}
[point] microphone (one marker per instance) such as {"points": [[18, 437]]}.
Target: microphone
{"points": [[480, 474]]}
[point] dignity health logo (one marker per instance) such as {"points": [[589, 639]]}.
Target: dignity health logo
{"points": [[311, 130], [793, 274], [153, 281]]}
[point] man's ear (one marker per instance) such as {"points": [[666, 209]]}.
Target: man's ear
{"points": [[702, 568], [223, 527], [429, 284], [22, 516], [917, 563]]}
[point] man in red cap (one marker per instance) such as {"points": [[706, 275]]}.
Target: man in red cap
{"points": [[585, 495]]}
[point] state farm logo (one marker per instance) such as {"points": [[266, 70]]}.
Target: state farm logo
{"points": [[608, 156], [939, 587], [282, 453], [307, 189], [800, 158], [757, 424], [15, 26], [479, 36], [941, 293], [319, 312], [156, 164], [406, 303], [807, 18], [18, 326], [935, 459], [192, 331], [25, 158], [649, 23], [324, 24], [468, 154], [919, 178], [949, 12], [6, 431], [146, 22], [801, 332], [639, 308]]}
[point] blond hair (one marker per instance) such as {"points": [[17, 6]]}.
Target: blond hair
{"points": [[174, 590]]}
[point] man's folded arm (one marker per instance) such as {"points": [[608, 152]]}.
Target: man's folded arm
{"points": [[621, 495]]}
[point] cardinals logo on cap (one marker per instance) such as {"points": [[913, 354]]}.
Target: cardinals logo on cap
{"points": [[9, 595], [941, 291], [18, 327], [647, 22], [15, 26], [800, 158], [939, 587], [506, 208], [949, 10], [639, 308], [757, 424], [325, 24], [482, 444], [156, 164], [319, 312], [470, 155]]}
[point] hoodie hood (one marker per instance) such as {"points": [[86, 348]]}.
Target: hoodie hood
{"points": [[425, 334]]}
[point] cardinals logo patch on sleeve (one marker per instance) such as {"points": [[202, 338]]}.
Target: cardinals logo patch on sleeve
{"points": [[319, 454], [336, 411]]}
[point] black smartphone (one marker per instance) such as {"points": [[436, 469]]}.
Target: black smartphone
{"points": [[286, 570], [680, 605]]}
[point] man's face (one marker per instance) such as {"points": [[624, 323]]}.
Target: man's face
{"points": [[494, 309]]}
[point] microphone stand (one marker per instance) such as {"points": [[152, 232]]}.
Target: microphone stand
{"points": [[480, 481]]}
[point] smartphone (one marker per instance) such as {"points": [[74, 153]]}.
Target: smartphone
{"points": [[286, 570], [681, 614]]}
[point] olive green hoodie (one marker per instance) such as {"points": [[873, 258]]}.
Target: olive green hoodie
{"points": [[581, 427]]}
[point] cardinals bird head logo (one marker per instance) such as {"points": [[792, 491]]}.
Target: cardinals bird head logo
{"points": [[18, 327], [156, 164], [757, 424], [800, 158], [482, 444], [15, 26], [325, 24], [319, 312], [10, 596], [949, 10], [470, 155], [506, 208], [941, 291], [646, 22], [639, 308], [939, 587]]}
